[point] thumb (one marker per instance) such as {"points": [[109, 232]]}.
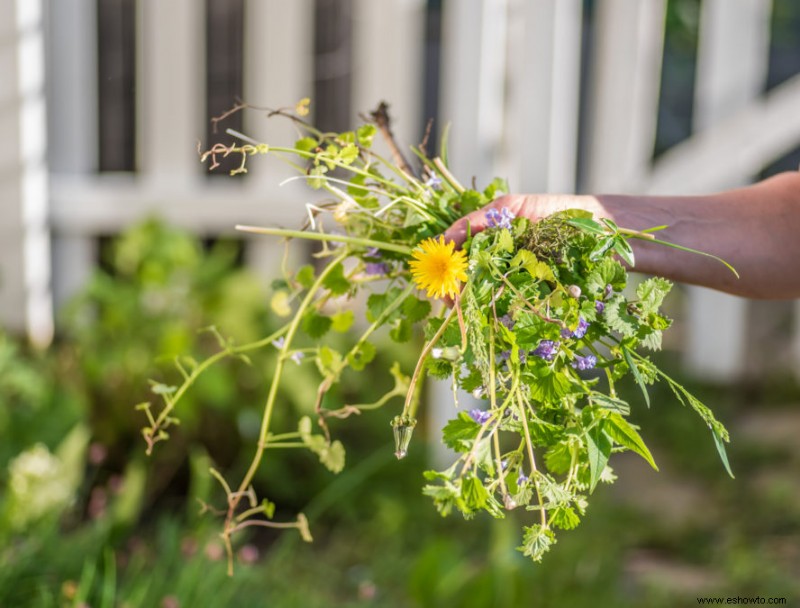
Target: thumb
{"points": [[474, 222]]}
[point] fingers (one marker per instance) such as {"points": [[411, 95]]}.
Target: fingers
{"points": [[473, 223]]}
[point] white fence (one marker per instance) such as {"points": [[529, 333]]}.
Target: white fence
{"points": [[511, 85]]}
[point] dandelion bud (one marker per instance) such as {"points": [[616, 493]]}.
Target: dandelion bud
{"points": [[403, 427]]}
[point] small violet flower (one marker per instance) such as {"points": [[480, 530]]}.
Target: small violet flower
{"points": [[507, 321], [479, 416], [376, 268], [499, 219], [297, 356], [579, 332], [279, 342], [547, 349], [599, 306], [522, 478], [584, 363], [435, 182]]}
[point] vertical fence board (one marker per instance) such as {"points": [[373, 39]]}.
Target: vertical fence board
{"points": [[732, 65], [626, 74], [544, 86], [170, 88], [388, 51]]}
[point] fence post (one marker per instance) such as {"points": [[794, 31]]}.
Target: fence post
{"points": [[25, 296], [626, 75], [732, 62], [544, 87]]}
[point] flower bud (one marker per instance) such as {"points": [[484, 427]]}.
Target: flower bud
{"points": [[574, 291]]}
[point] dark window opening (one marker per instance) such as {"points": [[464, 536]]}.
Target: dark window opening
{"points": [[333, 63], [116, 84]]}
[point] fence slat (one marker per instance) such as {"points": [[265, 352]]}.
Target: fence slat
{"points": [[732, 63], [25, 297], [625, 83], [388, 46], [544, 84], [170, 87], [473, 84]]}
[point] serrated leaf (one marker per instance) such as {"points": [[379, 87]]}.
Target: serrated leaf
{"points": [[333, 456], [651, 294], [610, 403], [536, 542], [617, 318], [535, 267], [415, 309], [621, 431], [378, 302], [365, 134], [459, 433], [598, 446], [474, 495], [305, 276], [306, 144], [607, 272], [558, 458], [316, 325], [549, 387], [329, 362], [335, 281], [564, 518], [359, 358], [505, 242], [342, 321]]}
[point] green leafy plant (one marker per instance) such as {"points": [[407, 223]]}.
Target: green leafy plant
{"points": [[538, 323]]}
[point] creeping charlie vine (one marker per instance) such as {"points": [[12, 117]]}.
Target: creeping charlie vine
{"points": [[535, 319]]}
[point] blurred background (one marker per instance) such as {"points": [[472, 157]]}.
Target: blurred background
{"points": [[117, 247]]}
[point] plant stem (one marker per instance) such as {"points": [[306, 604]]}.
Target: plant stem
{"points": [[318, 236]]}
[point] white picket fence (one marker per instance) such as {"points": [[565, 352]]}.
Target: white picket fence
{"points": [[511, 85]]}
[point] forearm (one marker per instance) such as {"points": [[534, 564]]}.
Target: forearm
{"points": [[756, 229]]}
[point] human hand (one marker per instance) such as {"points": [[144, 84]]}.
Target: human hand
{"points": [[531, 206]]}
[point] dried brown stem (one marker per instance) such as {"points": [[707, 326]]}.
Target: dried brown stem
{"points": [[380, 116]]}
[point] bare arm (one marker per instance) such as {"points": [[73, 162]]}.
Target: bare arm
{"points": [[756, 229]]}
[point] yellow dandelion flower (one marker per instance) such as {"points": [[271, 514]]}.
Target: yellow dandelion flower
{"points": [[437, 268]]}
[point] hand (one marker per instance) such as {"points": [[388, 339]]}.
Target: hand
{"points": [[532, 206]]}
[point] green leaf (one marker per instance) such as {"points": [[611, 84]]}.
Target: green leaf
{"points": [[349, 154], [332, 456], [549, 387], [316, 182], [723, 455], [336, 282], [306, 144], [607, 272], [316, 325], [415, 309], [505, 242], [598, 446], [636, 375], [621, 431], [565, 518], [623, 249], [536, 267], [365, 135], [359, 358], [651, 294], [329, 362], [587, 225], [342, 321], [610, 403], [536, 542], [378, 302], [617, 317], [474, 495], [558, 458], [305, 276], [459, 433]]}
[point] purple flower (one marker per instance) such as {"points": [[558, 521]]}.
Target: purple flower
{"points": [[547, 349], [372, 252], [434, 182], [584, 363], [297, 356], [499, 219], [608, 290], [599, 306], [579, 332], [479, 416], [502, 356], [279, 342], [507, 321], [376, 268], [522, 478]]}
